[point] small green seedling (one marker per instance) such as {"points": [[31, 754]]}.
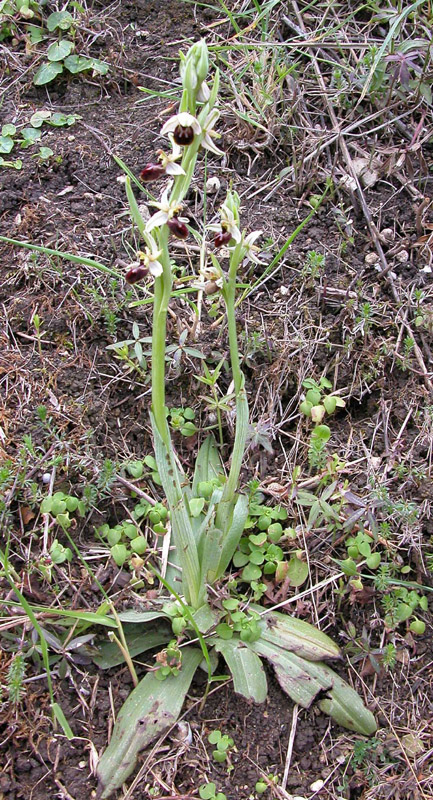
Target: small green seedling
{"points": [[60, 506], [208, 791], [223, 744], [181, 419], [317, 403]]}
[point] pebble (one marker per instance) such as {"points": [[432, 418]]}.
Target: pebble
{"points": [[371, 258], [402, 256]]}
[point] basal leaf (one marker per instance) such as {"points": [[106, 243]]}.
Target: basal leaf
{"points": [[208, 464], [249, 677], [138, 640], [151, 708], [302, 680], [296, 636]]}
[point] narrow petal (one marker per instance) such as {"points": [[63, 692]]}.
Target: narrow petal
{"points": [[235, 232], [251, 238]]}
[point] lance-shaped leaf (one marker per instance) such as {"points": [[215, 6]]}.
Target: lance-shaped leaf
{"points": [[232, 534], [151, 708], [292, 673], [345, 706], [183, 534], [208, 464], [249, 677], [225, 507], [212, 548], [302, 680], [134, 615], [137, 640], [297, 636]]}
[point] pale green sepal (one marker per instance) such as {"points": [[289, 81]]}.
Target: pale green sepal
{"points": [[133, 207], [138, 641], [296, 636], [249, 677], [149, 710]]}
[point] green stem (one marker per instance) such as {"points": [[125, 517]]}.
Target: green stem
{"points": [[162, 292], [229, 290]]}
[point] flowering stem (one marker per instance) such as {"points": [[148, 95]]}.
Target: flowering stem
{"points": [[229, 289], [162, 293]]}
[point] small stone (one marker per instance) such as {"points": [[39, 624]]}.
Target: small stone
{"points": [[284, 291], [46, 477], [371, 258], [388, 234], [317, 786], [402, 256]]}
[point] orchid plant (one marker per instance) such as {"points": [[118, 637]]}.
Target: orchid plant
{"points": [[207, 514]]}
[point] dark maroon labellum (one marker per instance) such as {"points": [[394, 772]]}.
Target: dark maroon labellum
{"points": [[136, 274], [222, 238], [151, 172], [178, 228], [183, 136]]}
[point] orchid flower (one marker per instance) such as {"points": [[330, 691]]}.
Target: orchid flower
{"points": [[168, 160], [183, 126], [251, 249], [166, 211], [150, 257], [228, 225]]}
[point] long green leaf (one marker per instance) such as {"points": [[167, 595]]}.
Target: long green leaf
{"points": [[89, 262], [137, 640], [296, 636], [233, 534], [292, 672], [249, 677], [208, 464], [302, 680], [151, 708], [183, 533], [133, 615], [346, 707]]}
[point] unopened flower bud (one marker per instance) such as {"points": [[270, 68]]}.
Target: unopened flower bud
{"points": [[152, 172], [177, 228], [183, 136], [222, 238], [136, 274]]}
